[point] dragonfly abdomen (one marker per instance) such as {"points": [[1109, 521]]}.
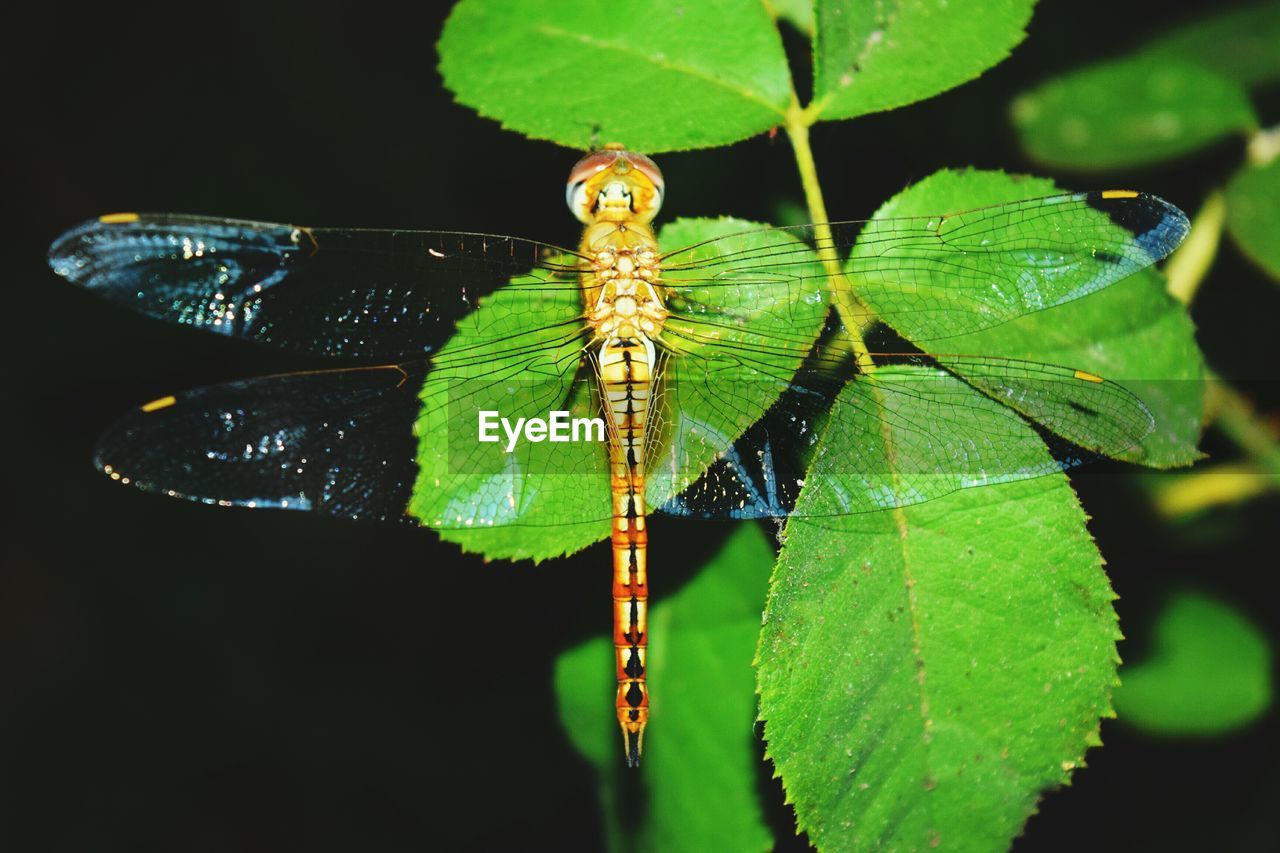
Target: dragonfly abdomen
{"points": [[626, 367]]}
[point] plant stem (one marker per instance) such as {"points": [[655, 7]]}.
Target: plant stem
{"points": [[1235, 416], [1264, 146], [852, 314], [1229, 483], [1190, 263]]}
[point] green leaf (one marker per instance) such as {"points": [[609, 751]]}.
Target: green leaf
{"points": [[1253, 214], [511, 355], [926, 672], [656, 75], [1240, 43], [873, 55], [1131, 332], [1210, 671], [699, 769], [1143, 109]]}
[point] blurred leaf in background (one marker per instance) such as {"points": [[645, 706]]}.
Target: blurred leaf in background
{"points": [[1209, 671], [1243, 43], [1253, 213], [1137, 110], [701, 755], [1172, 96]]}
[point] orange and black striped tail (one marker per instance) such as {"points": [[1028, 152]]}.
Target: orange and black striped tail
{"points": [[625, 376], [630, 632]]}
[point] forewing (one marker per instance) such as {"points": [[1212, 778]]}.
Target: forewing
{"points": [[934, 277], [361, 294], [940, 277]]}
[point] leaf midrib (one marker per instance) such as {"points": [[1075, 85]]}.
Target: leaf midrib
{"points": [[900, 522]]}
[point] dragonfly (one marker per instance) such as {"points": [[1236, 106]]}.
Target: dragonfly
{"points": [[733, 374]]}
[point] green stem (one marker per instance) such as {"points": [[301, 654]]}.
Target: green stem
{"points": [[1235, 416], [1264, 146], [1190, 263], [1218, 485], [852, 314]]}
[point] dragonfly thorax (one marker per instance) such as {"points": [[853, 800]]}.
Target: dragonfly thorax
{"points": [[621, 290], [617, 193]]}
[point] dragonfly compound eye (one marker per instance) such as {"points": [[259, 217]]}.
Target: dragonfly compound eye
{"points": [[647, 193], [621, 184]]}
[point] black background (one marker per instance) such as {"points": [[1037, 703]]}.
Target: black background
{"points": [[180, 678]]}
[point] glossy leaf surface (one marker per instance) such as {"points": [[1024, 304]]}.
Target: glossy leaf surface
{"points": [[871, 55], [1253, 214], [587, 72], [925, 673]]}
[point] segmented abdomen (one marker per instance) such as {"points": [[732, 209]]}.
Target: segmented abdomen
{"points": [[625, 376]]}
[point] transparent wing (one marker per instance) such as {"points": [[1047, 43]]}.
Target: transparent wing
{"points": [[934, 277], [336, 442], [911, 432], [358, 293]]}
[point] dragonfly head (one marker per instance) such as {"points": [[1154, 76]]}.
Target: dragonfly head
{"points": [[614, 184]]}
